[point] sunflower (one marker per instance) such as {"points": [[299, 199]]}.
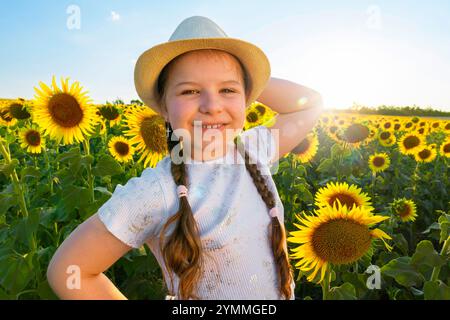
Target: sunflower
{"points": [[147, 130], [31, 139], [121, 149], [410, 143], [425, 154], [405, 209], [110, 113], [379, 162], [386, 138], [307, 149], [444, 149], [6, 119], [347, 195], [18, 110], [355, 134], [409, 126], [64, 114], [334, 236]]}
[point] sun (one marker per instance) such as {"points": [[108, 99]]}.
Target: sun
{"points": [[334, 236], [65, 114]]}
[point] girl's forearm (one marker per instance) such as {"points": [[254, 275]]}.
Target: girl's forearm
{"points": [[97, 287], [284, 96]]}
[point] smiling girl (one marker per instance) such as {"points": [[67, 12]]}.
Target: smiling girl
{"points": [[213, 220]]}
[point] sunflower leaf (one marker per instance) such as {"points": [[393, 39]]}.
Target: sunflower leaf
{"points": [[403, 272], [344, 292], [8, 168], [107, 166], [426, 255], [436, 290]]}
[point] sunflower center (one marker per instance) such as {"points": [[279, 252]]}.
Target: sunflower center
{"points": [[387, 125], [122, 148], [411, 142], [252, 117], [333, 129], [447, 148], [18, 111], [397, 126], [65, 110], [33, 138], [261, 109], [345, 199], [404, 210], [341, 241], [153, 133], [109, 113], [408, 125], [5, 115], [424, 154], [385, 135], [302, 147], [447, 126], [378, 161]]}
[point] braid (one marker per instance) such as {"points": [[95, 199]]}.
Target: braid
{"points": [[278, 233], [182, 252]]}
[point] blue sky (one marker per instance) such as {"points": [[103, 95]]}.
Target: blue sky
{"points": [[367, 52]]}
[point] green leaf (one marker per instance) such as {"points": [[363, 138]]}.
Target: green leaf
{"points": [[336, 150], [8, 169], [325, 165], [436, 290], [400, 242], [15, 273], [344, 292], [29, 172], [403, 272], [444, 225], [26, 227], [68, 156], [75, 197], [107, 166], [426, 255]]}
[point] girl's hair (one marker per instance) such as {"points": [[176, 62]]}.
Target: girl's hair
{"points": [[183, 251]]}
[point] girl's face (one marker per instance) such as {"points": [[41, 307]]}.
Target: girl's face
{"points": [[214, 94]]}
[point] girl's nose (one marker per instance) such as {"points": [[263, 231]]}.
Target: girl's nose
{"points": [[210, 103]]}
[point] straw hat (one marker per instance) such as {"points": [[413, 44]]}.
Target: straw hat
{"points": [[196, 33]]}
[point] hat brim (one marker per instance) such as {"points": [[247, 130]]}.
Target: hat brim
{"points": [[152, 61]]}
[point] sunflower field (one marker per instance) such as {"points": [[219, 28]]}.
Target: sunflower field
{"points": [[366, 198]]}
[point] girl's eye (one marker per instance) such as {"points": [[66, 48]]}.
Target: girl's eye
{"points": [[187, 91], [190, 91], [230, 90]]}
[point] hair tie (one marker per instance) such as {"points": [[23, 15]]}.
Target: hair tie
{"points": [[182, 191], [273, 212]]}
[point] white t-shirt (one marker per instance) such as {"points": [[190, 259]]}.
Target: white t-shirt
{"points": [[232, 218]]}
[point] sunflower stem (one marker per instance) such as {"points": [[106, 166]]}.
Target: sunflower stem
{"points": [[436, 270], [326, 284], [47, 166], [4, 149], [90, 178]]}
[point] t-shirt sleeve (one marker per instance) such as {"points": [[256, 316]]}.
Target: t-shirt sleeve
{"points": [[260, 144], [135, 211]]}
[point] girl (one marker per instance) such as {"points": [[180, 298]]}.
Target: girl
{"points": [[215, 227]]}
